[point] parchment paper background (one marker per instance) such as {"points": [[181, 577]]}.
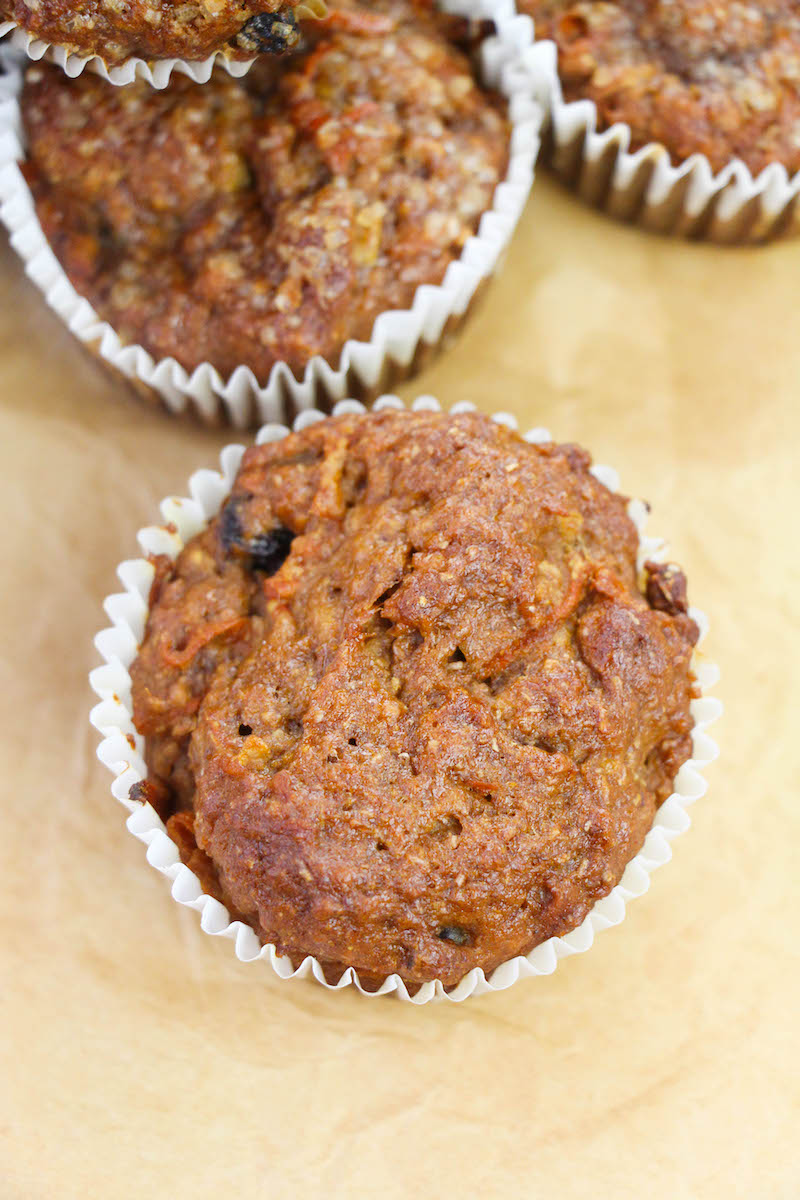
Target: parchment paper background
{"points": [[139, 1059]]}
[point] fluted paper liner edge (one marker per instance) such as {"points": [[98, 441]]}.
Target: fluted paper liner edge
{"points": [[156, 72], [645, 187]]}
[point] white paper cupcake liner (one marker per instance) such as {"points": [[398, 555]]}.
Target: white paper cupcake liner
{"points": [[122, 748], [644, 187], [401, 340], [156, 72]]}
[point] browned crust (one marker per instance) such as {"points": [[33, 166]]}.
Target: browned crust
{"points": [[157, 29], [714, 77], [269, 219], [413, 693]]}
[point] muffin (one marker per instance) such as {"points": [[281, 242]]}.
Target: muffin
{"points": [[407, 705], [137, 29], [269, 219], [712, 77]]}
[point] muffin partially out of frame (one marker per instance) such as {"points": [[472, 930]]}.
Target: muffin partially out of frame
{"points": [[272, 218], [158, 29], [407, 706], [712, 77]]}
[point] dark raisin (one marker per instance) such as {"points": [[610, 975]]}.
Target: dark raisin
{"points": [[245, 730], [268, 33], [267, 551], [231, 534], [270, 550], [154, 793], [666, 588], [454, 934], [139, 792]]}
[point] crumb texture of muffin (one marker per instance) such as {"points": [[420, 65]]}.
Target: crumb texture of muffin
{"points": [[162, 29], [272, 218], [714, 77], [407, 705]]}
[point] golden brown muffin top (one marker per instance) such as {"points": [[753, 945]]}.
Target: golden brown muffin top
{"points": [[271, 218], [411, 702], [715, 77], [158, 29]]}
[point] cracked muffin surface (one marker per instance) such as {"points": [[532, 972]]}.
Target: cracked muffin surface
{"points": [[407, 705], [272, 218], [714, 77], [117, 31]]}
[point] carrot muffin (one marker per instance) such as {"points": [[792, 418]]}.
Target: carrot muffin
{"points": [[270, 218], [407, 705], [140, 29], [715, 77]]}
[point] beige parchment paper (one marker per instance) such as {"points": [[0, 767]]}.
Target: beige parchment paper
{"points": [[140, 1059]]}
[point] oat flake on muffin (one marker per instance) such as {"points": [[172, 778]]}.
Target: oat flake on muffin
{"points": [[407, 706], [715, 77]]}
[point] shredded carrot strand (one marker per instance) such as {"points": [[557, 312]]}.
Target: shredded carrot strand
{"points": [[180, 658], [568, 602]]}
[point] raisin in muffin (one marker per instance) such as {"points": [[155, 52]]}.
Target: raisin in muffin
{"points": [[161, 29], [714, 77], [407, 705], [272, 218]]}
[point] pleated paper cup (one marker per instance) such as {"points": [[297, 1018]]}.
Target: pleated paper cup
{"points": [[122, 748], [156, 72], [402, 341], [645, 187]]}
